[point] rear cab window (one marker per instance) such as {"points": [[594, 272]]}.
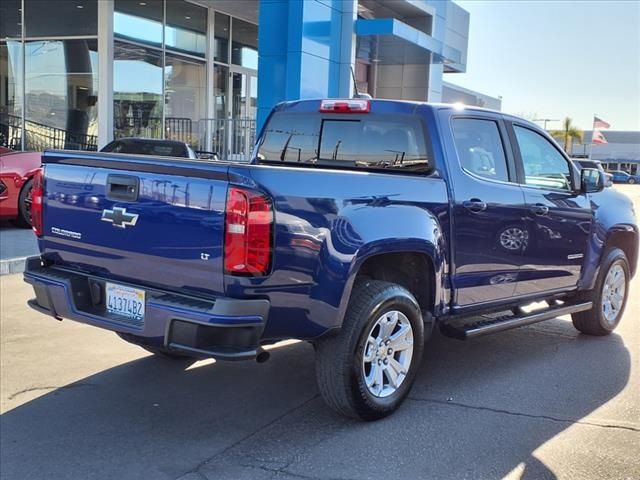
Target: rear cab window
{"points": [[390, 142]]}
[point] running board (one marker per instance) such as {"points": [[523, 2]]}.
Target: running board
{"points": [[507, 322]]}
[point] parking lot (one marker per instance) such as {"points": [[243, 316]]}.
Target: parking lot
{"points": [[540, 402]]}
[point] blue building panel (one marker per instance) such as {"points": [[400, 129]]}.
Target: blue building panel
{"points": [[307, 47]]}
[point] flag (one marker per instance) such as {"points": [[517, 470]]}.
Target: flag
{"points": [[598, 137], [598, 123]]}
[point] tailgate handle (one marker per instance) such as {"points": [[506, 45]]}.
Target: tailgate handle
{"points": [[123, 187]]}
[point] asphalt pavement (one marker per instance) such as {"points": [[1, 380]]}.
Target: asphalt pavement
{"points": [[540, 402]]}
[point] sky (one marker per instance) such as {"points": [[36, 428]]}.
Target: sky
{"points": [[557, 58]]}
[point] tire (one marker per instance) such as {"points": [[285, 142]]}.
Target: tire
{"points": [[608, 301], [341, 365], [158, 351], [24, 206], [632, 181]]}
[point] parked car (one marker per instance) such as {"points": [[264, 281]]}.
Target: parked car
{"points": [[16, 180], [620, 176], [150, 146], [586, 163], [359, 226], [157, 148]]}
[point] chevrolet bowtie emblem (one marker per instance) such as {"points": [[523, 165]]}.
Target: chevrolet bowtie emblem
{"points": [[119, 217]]}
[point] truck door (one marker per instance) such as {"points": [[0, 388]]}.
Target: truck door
{"points": [[489, 230], [558, 217]]}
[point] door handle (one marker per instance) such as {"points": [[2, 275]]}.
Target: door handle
{"points": [[123, 187], [539, 209], [474, 205]]}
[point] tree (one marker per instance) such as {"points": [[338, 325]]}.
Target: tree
{"points": [[567, 133]]}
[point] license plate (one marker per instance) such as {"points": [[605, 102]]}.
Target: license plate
{"points": [[125, 301]]}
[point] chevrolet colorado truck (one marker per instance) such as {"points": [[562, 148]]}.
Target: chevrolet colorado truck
{"points": [[359, 226]]}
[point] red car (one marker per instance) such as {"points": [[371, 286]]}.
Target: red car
{"points": [[16, 173]]}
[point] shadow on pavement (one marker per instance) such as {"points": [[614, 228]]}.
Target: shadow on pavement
{"points": [[478, 410]]}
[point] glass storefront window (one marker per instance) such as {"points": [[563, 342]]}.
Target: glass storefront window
{"points": [[139, 20], [244, 44], [60, 18], [11, 19], [186, 28], [221, 35], [11, 94], [61, 92], [137, 95], [185, 98]]}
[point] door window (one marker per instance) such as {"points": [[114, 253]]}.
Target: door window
{"points": [[480, 149], [544, 166]]}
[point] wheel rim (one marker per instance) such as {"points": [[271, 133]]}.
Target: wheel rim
{"points": [[512, 238], [387, 354], [613, 291]]}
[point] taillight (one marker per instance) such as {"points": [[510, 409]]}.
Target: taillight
{"points": [[248, 234], [37, 195], [345, 106]]}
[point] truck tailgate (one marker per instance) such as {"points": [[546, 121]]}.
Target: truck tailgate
{"points": [[139, 220]]}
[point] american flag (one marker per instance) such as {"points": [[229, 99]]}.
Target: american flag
{"points": [[598, 123], [598, 137]]}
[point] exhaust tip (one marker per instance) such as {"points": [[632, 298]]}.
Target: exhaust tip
{"points": [[262, 356]]}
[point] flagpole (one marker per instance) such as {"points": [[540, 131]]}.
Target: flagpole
{"points": [[592, 130]]}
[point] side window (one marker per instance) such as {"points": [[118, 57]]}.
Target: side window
{"points": [[480, 148], [543, 165]]}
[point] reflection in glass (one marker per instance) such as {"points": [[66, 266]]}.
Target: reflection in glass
{"points": [[186, 28], [244, 44], [137, 95], [59, 18], [11, 95], [61, 88], [140, 21], [185, 94], [10, 19], [221, 34]]}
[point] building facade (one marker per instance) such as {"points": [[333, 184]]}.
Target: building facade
{"points": [[621, 152], [455, 94], [78, 73]]}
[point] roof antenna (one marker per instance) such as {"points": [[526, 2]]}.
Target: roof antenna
{"points": [[357, 94]]}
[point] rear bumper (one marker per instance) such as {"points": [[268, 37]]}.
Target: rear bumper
{"points": [[221, 328]]}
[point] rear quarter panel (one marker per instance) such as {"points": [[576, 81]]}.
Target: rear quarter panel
{"points": [[327, 223]]}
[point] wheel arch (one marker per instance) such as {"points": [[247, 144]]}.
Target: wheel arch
{"points": [[626, 239], [417, 266]]}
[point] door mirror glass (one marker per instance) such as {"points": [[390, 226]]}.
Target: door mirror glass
{"points": [[592, 180]]}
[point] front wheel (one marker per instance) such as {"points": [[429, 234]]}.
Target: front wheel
{"points": [[632, 181], [366, 371], [609, 297]]}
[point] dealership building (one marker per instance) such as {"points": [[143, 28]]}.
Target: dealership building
{"points": [[78, 73]]}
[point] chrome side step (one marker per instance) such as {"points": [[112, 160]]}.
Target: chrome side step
{"points": [[507, 322]]}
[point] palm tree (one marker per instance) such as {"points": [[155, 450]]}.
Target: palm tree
{"points": [[567, 134]]}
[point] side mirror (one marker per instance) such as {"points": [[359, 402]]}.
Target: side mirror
{"points": [[592, 180]]}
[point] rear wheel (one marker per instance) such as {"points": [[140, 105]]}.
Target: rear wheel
{"points": [[24, 206], [366, 371], [609, 297]]}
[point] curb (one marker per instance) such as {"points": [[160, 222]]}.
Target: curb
{"points": [[12, 265]]}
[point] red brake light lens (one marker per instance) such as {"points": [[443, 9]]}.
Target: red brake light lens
{"points": [[37, 197], [248, 233], [345, 106]]}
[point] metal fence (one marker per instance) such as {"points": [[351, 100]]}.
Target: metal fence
{"points": [[230, 139], [39, 136]]}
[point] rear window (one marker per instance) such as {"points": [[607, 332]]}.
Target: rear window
{"points": [[389, 142]]}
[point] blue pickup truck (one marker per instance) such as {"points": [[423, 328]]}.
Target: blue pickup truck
{"points": [[359, 226]]}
